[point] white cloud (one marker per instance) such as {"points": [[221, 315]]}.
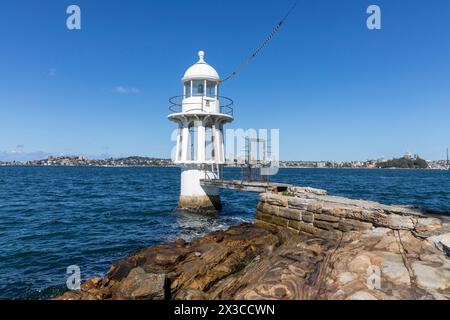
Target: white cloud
{"points": [[125, 90]]}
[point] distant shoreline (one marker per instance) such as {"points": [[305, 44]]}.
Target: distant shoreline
{"points": [[406, 162], [366, 168], [175, 166], [83, 166]]}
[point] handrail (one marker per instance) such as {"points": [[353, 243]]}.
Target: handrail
{"points": [[225, 104], [209, 168]]}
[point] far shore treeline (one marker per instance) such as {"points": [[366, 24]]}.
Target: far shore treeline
{"points": [[404, 163]]}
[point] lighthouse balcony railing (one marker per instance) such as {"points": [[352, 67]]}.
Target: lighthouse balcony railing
{"points": [[180, 104]]}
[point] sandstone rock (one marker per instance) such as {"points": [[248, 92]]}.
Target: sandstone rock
{"points": [[325, 225], [118, 271], [308, 217], [328, 234], [347, 225], [413, 246], [346, 277], [91, 284], [298, 203], [393, 268], [180, 242], [265, 262], [335, 210], [441, 242], [70, 296], [280, 221], [315, 207], [377, 232], [291, 214], [308, 228], [268, 209], [307, 246], [326, 217], [357, 214], [294, 224], [434, 259], [192, 294], [429, 277], [168, 258], [445, 247], [263, 217], [392, 221], [360, 264], [308, 190], [276, 199], [428, 225], [361, 295], [387, 243], [140, 285], [398, 222]]}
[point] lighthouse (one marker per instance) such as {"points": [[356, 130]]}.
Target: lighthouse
{"points": [[201, 114]]}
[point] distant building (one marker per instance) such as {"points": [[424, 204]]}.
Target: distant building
{"points": [[408, 155], [321, 164]]}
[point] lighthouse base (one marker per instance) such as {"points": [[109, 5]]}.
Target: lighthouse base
{"points": [[194, 197], [200, 204]]}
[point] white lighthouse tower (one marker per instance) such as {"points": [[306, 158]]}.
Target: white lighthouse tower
{"points": [[200, 114]]}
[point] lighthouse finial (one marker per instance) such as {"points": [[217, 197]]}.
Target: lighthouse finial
{"points": [[201, 55]]}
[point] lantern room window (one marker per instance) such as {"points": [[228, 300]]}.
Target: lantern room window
{"points": [[187, 89], [210, 89], [198, 87], [205, 88]]}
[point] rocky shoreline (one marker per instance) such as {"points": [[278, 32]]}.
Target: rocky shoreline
{"points": [[303, 245]]}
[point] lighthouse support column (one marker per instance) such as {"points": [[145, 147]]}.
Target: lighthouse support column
{"points": [[177, 156], [193, 196], [185, 141], [201, 140], [218, 143]]}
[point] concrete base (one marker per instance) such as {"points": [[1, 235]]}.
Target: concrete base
{"points": [[200, 204], [195, 198]]}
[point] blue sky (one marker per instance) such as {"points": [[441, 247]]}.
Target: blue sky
{"points": [[336, 90]]}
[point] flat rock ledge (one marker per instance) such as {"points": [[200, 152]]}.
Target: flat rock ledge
{"points": [[303, 245]]}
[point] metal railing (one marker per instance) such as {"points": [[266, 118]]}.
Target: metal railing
{"points": [[225, 105], [212, 171], [244, 173]]}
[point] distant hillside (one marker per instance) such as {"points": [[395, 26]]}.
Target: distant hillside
{"points": [[404, 163]]}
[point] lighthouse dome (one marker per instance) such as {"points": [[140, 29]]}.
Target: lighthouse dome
{"points": [[201, 70]]}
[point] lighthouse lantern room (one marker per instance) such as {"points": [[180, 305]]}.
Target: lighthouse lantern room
{"points": [[200, 114]]}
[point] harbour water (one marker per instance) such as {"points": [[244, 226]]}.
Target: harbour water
{"points": [[55, 217]]}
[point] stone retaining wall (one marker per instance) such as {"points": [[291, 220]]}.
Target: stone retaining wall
{"points": [[314, 212]]}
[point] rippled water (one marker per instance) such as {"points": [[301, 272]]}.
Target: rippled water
{"points": [[54, 217]]}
